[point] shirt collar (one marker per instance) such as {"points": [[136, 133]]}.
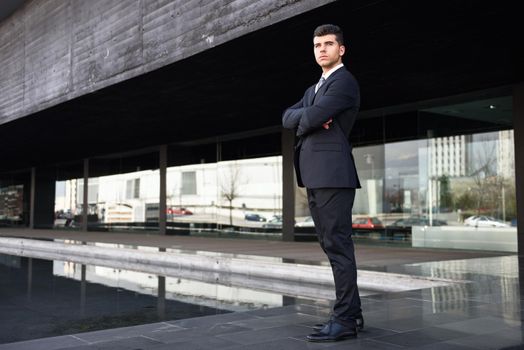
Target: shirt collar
{"points": [[332, 70]]}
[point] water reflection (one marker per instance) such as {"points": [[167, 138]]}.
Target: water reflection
{"points": [[209, 293], [495, 281], [56, 298], [29, 278]]}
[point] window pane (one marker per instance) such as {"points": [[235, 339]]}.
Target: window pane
{"points": [[447, 186]]}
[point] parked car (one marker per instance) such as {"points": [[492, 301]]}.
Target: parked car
{"points": [[308, 222], [274, 222], [254, 217], [469, 219], [367, 222], [416, 221], [485, 221], [179, 211]]}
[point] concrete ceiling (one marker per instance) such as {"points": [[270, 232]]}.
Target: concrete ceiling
{"points": [[401, 52]]}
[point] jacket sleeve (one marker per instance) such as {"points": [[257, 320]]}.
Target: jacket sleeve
{"points": [[341, 95], [292, 115]]}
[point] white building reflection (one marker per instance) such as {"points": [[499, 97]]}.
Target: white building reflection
{"points": [[201, 293], [493, 281]]}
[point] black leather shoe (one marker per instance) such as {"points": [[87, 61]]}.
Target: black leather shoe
{"points": [[333, 331], [359, 320]]}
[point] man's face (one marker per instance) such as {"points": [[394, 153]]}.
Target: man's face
{"points": [[328, 52]]}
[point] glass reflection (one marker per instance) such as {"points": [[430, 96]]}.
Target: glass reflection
{"points": [[241, 197], [14, 199], [447, 182], [124, 193], [426, 184], [125, 200], [443, 187], [11, 205], [68, 189], [68, 203]]}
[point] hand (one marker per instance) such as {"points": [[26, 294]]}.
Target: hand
{"points": [[326, 124]]}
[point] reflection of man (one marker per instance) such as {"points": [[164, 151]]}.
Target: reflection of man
{"points": [[323, 120]]}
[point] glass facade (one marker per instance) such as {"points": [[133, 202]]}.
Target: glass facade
{"points": [[442, 176], [124, 192], [14, 199], [437, 177], [437, 182], [452, 185], [239, 195], [120, 195], [69, 188], [214, 188], [227, 188]]}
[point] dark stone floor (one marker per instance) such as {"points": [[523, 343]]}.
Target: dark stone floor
{"points": [[483, 310]]}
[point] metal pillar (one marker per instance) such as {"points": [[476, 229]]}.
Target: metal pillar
{"points": [[162, 206], [518, 129], [85, 206], [32, 199], [288, 186]]}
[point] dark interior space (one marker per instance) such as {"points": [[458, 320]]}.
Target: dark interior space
{"points": [[258, 146], [400, 51], [111, 165]]}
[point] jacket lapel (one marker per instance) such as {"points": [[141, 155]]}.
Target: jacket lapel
{"points": [[321, 91], [310, 95], [324, 86]]}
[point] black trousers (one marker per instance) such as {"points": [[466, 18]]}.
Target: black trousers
{"points": [[331, 212]]}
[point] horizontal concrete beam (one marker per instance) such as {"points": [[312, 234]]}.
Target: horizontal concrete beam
{"points": [[54, 51], [262, 273]]}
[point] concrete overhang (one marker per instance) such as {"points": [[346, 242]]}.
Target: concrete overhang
{"points": [[399, 54]]}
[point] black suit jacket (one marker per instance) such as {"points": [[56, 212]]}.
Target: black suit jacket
{"points": [[323, 157]]}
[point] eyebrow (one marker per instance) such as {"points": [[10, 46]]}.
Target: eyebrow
{"points": [[325, 42]]}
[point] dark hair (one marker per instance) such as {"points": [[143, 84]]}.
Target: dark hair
{"points": [[327, 29]]}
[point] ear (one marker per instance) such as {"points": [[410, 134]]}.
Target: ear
{"points": [[341, 50]]}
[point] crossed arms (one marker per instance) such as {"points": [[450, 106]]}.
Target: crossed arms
{"points": [[339, 96]]}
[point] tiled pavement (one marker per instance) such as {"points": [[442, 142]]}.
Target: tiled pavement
{"points": [[412, 320], [484, 313]]}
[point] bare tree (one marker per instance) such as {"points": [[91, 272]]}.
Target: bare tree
{"points": [[230, 187], [484, 174]]}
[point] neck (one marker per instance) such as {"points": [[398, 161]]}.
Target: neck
{"points": [[327, 69]]}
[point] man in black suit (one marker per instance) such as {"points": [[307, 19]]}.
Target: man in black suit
{"points": [[324, 164]]}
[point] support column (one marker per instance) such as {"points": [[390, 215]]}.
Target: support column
{"points": [[518, 127], [32, 199], [85, 200], [162, 205], [288, 186], [43, 184]]}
